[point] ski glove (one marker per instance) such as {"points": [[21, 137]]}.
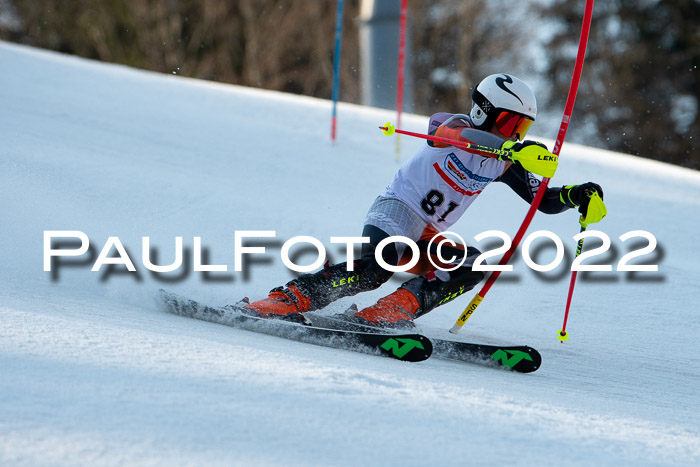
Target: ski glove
{"points": [[588, 198], [533, 156]]}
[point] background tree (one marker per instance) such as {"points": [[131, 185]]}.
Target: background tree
{"points": [[639, 92], [272, 44], [456, 44]]}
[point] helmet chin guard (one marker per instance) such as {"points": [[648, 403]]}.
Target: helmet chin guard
{"points": [[478, 116]]}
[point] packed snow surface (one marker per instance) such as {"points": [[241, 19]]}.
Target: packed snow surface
{"points": [[93, 372]]}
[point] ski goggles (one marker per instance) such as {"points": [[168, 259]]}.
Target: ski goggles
{"points": [[509, 124]]}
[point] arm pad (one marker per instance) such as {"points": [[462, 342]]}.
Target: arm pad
{"points": [[525, 184]]}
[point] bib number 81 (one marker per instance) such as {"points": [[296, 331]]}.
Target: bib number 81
{"points": [[433, 200]]}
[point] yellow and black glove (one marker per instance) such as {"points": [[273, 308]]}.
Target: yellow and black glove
{"points": [[533, 156], [588, 198]]}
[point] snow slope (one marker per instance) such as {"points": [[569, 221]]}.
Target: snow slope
{"points": [[94, 373]]}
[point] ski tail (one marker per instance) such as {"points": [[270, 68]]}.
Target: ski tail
{"points": [[409, 347]]}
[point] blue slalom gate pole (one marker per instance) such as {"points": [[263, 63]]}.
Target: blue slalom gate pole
{"points": [[336, 65]]}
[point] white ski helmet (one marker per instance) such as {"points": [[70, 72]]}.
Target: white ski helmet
{"points": [[506, 102]]}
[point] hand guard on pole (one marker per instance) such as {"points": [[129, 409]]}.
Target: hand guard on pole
{"points": [[588, 198], [533, 156]]}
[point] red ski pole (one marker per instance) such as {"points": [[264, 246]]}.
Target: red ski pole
{"points": [[400, 72], [562, 332], [389, 129]]}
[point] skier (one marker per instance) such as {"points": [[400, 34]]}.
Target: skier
{"points": [[428, 194]]}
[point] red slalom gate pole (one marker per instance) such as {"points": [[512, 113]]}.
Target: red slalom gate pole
{"points": [[568, 109], [400, 72]]}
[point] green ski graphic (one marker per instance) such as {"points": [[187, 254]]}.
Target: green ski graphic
{"points": [[400, 351], [510, 360]]}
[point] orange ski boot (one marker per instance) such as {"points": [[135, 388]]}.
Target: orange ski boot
{"points": [[282, 303], [396, 310]]}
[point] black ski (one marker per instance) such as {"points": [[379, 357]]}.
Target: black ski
{"points": [[522, 359], [409, 347]]}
